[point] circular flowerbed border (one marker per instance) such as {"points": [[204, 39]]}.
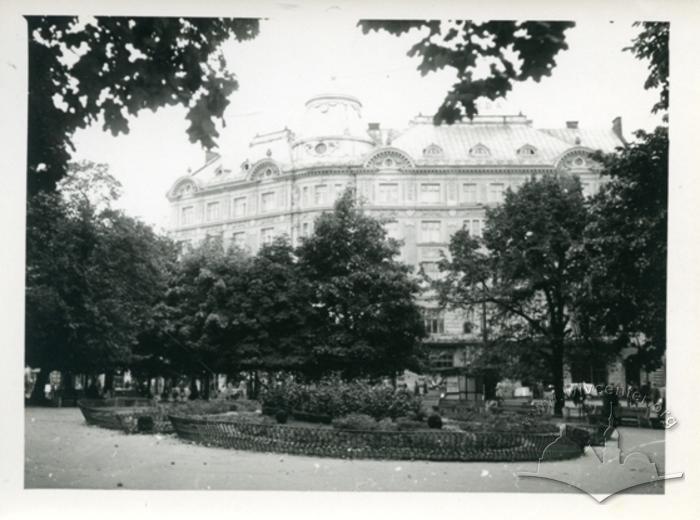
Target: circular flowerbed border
{"points": [[130, 415], [400, 445]]}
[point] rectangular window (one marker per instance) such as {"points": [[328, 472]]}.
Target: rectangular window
{"points": [[320, 194], [305, 229], [305, 196], [212, 211], [430, 268], [337, 191], [430, 231], [469, 191], [434, 322], [475, 228], [442, 360], [240, 206], [430, 193], [187, 216], [496, 191], [388, 193], [267, 235], [267, 202]]}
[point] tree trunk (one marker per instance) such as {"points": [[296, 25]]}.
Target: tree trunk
{"points": [[206, 382], [109, 382], [37, 397], [256, 384], [558, 375], [194, 391]]}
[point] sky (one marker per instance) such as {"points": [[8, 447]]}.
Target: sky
{"points": [[594, 81]]}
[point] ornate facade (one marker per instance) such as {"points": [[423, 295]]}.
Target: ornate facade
{"points": [[426, 181]]}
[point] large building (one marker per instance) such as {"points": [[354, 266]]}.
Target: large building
{"points": [[426, 181]]}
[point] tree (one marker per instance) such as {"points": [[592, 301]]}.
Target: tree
{"points": [[110, 68], [652, 44], [627, 236], [91, 279], [528, 270], [626, 240], [195, 307], [370, 324], [464, 44], [277, 322]]}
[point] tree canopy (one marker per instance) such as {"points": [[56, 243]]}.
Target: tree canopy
{"points": [[338, 303], [513, 51], [652, 44], [92, 278], [109, 68], [626, 241], [528, 270], [371, 324]]}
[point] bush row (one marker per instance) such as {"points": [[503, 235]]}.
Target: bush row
{"points": [[334, 398]]}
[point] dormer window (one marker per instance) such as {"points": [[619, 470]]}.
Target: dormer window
{"points": [[527, 150], [185, 190], [433, 150], [479, 150]]}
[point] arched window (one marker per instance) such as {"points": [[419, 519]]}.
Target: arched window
{"points": [[479, 150], [433, 150], [265, 169], [390, 158], [527, 150]]}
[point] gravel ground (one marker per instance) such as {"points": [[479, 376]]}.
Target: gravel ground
{"points": [[61, 451]]}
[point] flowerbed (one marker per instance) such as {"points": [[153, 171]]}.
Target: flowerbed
{"points": [[375, 444], [506, 422], [133, 415]]}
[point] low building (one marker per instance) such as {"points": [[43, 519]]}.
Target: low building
{"points": [[425, 181]]}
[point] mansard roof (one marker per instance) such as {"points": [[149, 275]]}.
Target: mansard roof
{"points": [[503, 140], [502, 136]]}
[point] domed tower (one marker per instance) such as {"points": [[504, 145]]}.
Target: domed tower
{"points": [[332, 131]]}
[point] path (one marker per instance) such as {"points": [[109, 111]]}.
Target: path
{"points": [[61, 451]]}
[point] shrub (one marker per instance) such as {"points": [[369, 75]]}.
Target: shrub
{"points": [[201, 407], [420, 415], [356, 422], [246, 405], [507, 422], [335, 398], [387, 425], [281, 416], [408, 423], [435, 421]]}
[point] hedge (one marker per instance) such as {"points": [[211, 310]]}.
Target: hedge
{"points": [[438, 445]]}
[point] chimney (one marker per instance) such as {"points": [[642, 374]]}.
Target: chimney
{"points": [[617, 128], [375, 132], [572, 124]]}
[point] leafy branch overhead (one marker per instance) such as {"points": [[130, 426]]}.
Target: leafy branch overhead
{"points": [[110, 68], [652, 44], [513, 51]]}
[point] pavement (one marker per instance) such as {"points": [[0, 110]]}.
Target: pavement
{"points": [[62, 451]]}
